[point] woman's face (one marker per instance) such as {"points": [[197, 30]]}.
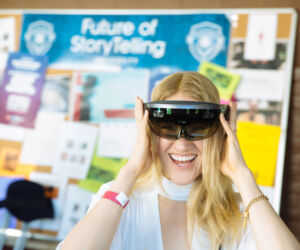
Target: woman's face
{"points": [[181, 159]]}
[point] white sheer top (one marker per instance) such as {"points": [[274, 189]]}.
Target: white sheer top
{"points": [[139, 227]]}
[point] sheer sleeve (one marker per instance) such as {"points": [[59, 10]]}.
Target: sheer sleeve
{"points": [[117, 241], [247, 242]]}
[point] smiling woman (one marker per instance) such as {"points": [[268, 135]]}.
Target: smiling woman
{"points": [[212, 192], [180, 187]]}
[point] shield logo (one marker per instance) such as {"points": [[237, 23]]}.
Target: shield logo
{"points": [[39, 37], [205, 40]]}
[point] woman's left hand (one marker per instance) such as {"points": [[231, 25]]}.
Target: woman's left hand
{"points": [[233, 160]]}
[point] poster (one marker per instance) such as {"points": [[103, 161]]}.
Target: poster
{"points": [[21, 89], [56, 93], [105, 96], [109, 41]]}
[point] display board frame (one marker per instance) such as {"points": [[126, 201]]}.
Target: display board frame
{"points": [[275, 193]]}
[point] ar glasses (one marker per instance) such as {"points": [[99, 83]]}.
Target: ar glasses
{"points": [[184, 119]]}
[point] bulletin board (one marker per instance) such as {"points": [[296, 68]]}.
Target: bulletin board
{"points": [[82, 130]]}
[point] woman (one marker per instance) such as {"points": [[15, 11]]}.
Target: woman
{"points": [[180, 191]]}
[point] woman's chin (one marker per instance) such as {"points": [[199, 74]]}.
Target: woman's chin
{"points": [[182, 181]]}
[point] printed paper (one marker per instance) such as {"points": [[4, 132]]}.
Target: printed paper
{"points": [[40, 144], [259, 145], [261, 85], [11, 133], [75, 207], [9, 160], [7, 38], [261, 37], [75, 148], [225, 81], [102, 170], [116, 139]]}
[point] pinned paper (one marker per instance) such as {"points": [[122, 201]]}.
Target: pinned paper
{"points": [[75, 207], [11, 133], [7, 38], [261, 37], [9, 160], [261, 84], [225, 81], [74, 149], [102, 170], [40, 144], [116, 139], [259, 145]]}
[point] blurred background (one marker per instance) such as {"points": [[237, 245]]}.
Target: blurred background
{"points": [[61, 102]]}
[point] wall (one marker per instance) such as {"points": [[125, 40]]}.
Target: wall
{"points": [[290, 211]]}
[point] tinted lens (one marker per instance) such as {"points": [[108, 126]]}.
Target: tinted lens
{"points": [[167, 130], [192, 124]]}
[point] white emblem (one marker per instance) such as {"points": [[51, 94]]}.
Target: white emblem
{"points": [[39, 37], [205, 40]]}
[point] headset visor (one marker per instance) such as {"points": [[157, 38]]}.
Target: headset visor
{"points": [[184, 119]]}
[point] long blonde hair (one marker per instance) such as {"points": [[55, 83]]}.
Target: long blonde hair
{"points": [[212, 204]]}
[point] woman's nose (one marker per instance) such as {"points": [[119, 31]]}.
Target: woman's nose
{"points": [[183, 144]]}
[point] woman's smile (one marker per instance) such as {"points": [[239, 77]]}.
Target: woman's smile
{"points": [[183, 161]]}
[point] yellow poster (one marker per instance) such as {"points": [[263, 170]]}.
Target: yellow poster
{"points": [[9, 160], [225, 81], [259, 145]]}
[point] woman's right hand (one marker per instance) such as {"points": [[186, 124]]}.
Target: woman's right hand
{"points": [[140, 159]]}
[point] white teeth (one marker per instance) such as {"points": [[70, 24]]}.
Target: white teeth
{"points": [[183, 157]]}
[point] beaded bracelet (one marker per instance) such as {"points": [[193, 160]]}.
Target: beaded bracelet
{"points": [[246, 212]]}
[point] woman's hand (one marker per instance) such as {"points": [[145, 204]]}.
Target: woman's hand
{"points": [[233, 161], [140, 159]]}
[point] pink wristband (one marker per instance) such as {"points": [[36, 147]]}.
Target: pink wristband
{"points": [[119, 198]]}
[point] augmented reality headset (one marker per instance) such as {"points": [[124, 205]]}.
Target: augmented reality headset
{"points": [[185, 119]]}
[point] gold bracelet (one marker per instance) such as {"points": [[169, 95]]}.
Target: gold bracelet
{"points": [[246, 212]]}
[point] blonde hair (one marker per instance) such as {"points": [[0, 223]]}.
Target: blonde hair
{"points": [[212, 204]]}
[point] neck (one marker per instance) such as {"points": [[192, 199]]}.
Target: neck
{"points": [[173, 191]]}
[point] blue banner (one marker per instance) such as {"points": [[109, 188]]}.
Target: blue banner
{"points": [[140, 41]]}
